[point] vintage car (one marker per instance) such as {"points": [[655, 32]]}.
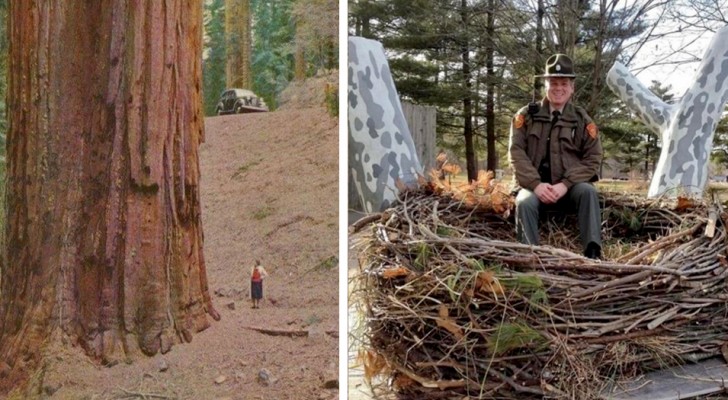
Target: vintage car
{"points": [[239, 101]]}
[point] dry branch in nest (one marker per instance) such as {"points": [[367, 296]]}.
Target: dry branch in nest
{"points": [[456, 307]]}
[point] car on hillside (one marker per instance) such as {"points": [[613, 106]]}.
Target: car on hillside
{"points": [[239, 101]]}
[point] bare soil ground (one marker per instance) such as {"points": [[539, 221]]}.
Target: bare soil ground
{"points": [[269, 192]]}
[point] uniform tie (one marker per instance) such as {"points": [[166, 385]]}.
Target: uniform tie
{"points": [[545, 166], [556, 115]]}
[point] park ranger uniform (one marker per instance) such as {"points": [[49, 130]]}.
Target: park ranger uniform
{"points": [[562, 148]]}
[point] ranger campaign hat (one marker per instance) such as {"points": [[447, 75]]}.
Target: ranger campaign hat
{"points": [[559, 66]]}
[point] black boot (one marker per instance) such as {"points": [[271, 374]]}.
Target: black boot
{"points": [[593, 251]]}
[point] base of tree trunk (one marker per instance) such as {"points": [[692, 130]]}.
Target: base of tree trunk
{"points": [[24, 379]]}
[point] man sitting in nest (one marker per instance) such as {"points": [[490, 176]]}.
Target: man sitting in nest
{"points": [[555, 152]]}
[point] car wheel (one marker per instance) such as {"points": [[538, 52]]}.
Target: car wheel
{"points": [[219, 111], [239, 110]]}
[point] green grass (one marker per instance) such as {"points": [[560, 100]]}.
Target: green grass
{"points": [[263, 213], [243, 169], [640, 187], [423, 254], [327, 264], [312, 319], [634, 186], [514, 335]]}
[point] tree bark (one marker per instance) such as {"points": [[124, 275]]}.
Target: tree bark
{"points": [[568, 26], [239, 44], [471, 164], [537, 68], [104, 236], [597, 80], [686, 128], [490, 97], [299, 59]]}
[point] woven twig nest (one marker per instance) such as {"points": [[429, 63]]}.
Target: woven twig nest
{"points": [[455, 307]]}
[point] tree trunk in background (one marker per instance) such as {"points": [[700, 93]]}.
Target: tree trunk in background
{"points": [[472, 167], [299, 59], [238, 44], [597, 83], [568, 26], [366, 29], [104, 237], [490, 79], [538, 82]]}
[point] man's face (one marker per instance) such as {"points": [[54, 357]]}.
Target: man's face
{"points": [[559, 91]]}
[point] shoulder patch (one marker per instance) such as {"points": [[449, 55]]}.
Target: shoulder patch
{"points": [[519, 120], [592, 130]]}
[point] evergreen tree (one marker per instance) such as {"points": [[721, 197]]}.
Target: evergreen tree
{"points": [[213, 64], [273, 48], [317, 33], [719, 154], [238, 44], [507, 44]]}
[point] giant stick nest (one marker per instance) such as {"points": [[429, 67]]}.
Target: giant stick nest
{"points": [[454, 307]]}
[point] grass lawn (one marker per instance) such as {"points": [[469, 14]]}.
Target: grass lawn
{"points": [[629, 186]]}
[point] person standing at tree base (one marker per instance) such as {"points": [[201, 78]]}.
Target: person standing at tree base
{"points": [[555, 152], [257, 274]]}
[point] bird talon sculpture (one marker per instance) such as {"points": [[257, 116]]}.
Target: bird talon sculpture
{"points": [[381, 150], [687, 127]]}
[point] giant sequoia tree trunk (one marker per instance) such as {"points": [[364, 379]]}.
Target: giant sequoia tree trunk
{"points": [[238, 44], [104, 238]]}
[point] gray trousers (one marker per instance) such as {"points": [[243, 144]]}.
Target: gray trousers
{"points": [[582, 198]]}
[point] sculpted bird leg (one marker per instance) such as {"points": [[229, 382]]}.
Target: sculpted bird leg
{"points": [[686, 128], [381, 149]]}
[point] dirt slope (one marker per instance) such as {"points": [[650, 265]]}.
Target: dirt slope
{"points": [[269, 192]]}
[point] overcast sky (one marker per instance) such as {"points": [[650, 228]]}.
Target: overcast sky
{"points": [[675, 59]]}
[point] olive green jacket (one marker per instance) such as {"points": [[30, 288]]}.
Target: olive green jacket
{"points": [[576, 148]]}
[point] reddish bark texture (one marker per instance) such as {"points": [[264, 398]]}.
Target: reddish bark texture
{"points": [[104, 238], [238, 73]]}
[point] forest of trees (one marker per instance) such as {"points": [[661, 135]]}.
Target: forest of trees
{"points": [[104, 115], [266, 45], [475, 60]]}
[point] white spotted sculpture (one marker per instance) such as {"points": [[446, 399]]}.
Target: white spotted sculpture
{"points": [[381, 149], [686, 128]]}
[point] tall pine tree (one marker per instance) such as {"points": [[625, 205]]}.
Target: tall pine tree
{"points": [[213, 63]]}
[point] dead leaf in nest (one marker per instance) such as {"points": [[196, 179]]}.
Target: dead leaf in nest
{"points": [[500, 202], [486, 282], [452, 169], [373, 363], [484, 179], [393, 236], [400, 185], [437, 185], [421, 180], [446, 322], [403, 381], [391, 273], [684, 203], [469, 200]]}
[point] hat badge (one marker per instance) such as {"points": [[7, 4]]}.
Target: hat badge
{"points": [[558, 67]]}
